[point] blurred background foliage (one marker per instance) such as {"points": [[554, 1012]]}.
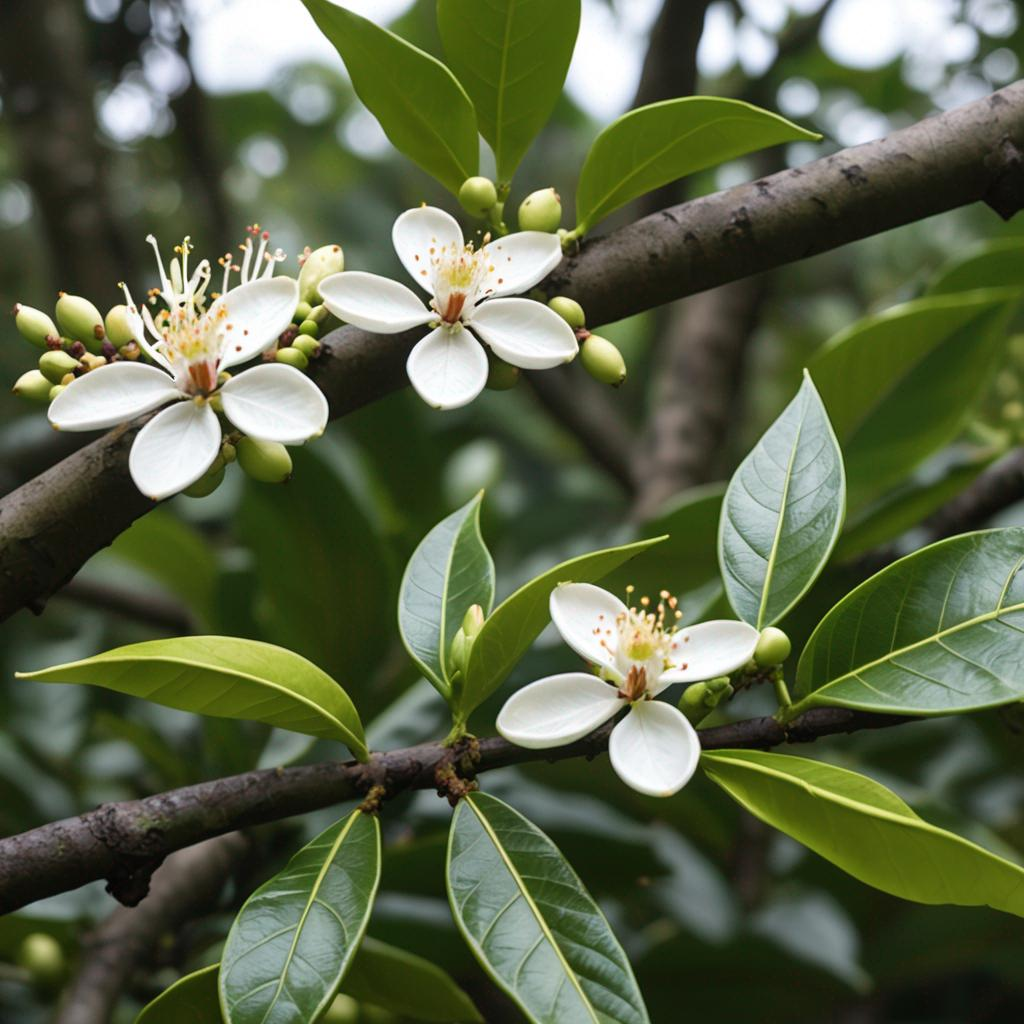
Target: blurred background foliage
{"points": [[123, 118]]}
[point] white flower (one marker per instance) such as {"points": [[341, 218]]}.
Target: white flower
{"points": [[192, 345], [653, 748], [447, 367]]}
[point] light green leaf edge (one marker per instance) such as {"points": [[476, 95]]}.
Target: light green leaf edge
{"points": [[202, 985]]}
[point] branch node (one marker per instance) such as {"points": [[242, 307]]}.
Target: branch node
{"points": [[455, 774], [1006, 193], [374, 796]]}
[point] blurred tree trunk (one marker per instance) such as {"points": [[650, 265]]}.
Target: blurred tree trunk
{"points": [[48, 102]]}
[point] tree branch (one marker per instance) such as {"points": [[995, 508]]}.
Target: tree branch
{"points": [[125, 842], [53, 524]]}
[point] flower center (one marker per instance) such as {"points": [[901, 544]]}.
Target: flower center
{"points": [[457, 274]]}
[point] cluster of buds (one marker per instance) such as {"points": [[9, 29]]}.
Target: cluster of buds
{"points": [[462, 642], [299, 344], [600, 358], [80, 341], [267, 462]]}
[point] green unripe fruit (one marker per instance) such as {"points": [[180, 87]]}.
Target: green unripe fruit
{"points": [[569, 310], [478, 195], [309, 347], [34, 325], [540, 211], [55, 391], [603, 361], [266, 461], [320, 263], [292, 357], [501, 375], [42, 956], [344, 1010], [208, 482], [773, 648], [56, 364], [318, 314], [693, 696], [302, 311], [116, 325], [33, 386], [310, 328], [80, 319]]}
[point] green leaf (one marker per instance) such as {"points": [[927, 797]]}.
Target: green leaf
{"points": [[296, 935], [224, 677], [417, 100], [192, 999], [531, 923], [992, 264], [449, 571], [935, 633], [512, 57], [653, 145], [519, 619], [782, 512], [866, 830], [425, 993], [899, 385]]}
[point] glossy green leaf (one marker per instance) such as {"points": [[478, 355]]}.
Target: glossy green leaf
{"points": [[519, 619], [653, 145], [938, 632], [899, 385], [224, 677], [417, 100], [782, 512], [866, 830], [296, 935], [995, 263], [449, 571], [531, 923], [424, 991], [511, 57], [192, 999]]}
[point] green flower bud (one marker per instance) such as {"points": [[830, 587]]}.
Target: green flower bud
{"points": [[458, 652], [302, 311], [34, 325], [478, 195], [266, 461], [310, 328], [772, 648], [80, 319], [293, 357], [540, 211], [55, 391], [569, 310], [209, 481], [33, 386], [344, 1010], [116, 324], [309, 347], [227, 452], [42, 956], [320, 263], [693, 696], [473, 621], [501, 375], [318, 314], [54, 365], [603, 361]]}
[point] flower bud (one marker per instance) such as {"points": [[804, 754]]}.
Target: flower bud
{"points": [[310, 328], [318, 314], [501, 375], [569, 310], [33, 386], [54, 365], [42, 956], [473, 621], [320, 263], [80, 319], [602, 360], [540, 211], [772, 648], [34, 325], [266, 461], [309, 347], [116, 324], [91, 362], [227, 452], [55, 391], [478, 195], [302, 311], [208, 482], [292, 357], [458, 652], [344, 1010]]}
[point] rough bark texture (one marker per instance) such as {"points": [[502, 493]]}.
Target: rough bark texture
{"points": [[52, 525], [125, 842]]}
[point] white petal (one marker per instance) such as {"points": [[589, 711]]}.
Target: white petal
{"points": [[525, 333], [709, 649], [585, 616], [274, 402], [448, 368], [373, 303], [110, 395], [654, 749], [418, 234], [558, 709], [174, 449], [520, 261], [257, 313]]}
